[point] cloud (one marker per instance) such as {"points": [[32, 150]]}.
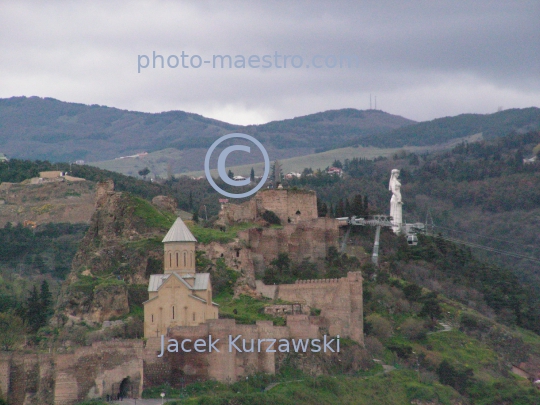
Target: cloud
{"points": [[422, 59]]}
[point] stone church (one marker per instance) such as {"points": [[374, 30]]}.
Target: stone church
{"points": [[180, 296]]}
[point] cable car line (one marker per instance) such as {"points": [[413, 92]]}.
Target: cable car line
{"points": [[478, 246], [487, 237]]}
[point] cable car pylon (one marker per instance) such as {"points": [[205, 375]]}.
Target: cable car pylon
{"points": [[381, 221]]}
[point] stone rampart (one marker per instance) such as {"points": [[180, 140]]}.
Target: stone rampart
{"points": [[291, 206], [64, 379], [305, 240], [340, 301]]}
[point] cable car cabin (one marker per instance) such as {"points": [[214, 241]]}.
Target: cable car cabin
{"points": [[412, 240]]}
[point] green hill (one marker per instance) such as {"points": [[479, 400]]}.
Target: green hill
{"points": [[49, 129], [445, 129]]}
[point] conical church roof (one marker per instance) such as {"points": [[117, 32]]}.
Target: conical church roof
{"points": [[179, 232]]}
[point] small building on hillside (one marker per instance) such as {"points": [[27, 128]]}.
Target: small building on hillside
{"points": [[180, 296], [335, 170], [51, 174]]}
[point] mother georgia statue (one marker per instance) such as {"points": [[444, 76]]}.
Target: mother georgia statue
{"points": [[396, 203]]}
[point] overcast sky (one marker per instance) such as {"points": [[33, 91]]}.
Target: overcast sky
{"points": [[422, 60]]}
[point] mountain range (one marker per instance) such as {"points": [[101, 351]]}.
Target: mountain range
{"points": [[177, 141], [45, 128]]}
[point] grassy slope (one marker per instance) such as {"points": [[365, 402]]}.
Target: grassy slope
{"points": [[157, 161], [400, 386], [325, 159]]}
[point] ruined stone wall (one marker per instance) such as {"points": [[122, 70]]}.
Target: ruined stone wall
{"points": [[291, 206], [245, 212], [340, 302], [65, 379], [97, 370], [309, 239], [180, 368]]}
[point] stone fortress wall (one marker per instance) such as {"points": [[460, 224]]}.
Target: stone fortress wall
{"points": [[98, 370], [340, 301], [302, 236], [67, 378], [291, 206], [304, 240]]}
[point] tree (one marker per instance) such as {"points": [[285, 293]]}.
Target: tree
{"points": [[366, 205], [324, 210], [279, 270], [413, 292], [337, 163], [230, 174], [276, 173], [340, 209], [456, 377], [271, 217], [431, 307], [144, 172], [252, 175], [34, 313], [195, 217], [39, 264], [12, 328], [357, 207], [348, 211], [45, 297]]}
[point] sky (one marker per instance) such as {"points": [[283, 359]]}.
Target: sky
{"points": [[420, 59]]}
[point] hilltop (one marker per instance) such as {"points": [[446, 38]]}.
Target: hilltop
{"points": [[442, 130], [416, 289], [45, 128]]}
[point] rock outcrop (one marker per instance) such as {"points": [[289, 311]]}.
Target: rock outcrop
{"points": [[120, 249]]}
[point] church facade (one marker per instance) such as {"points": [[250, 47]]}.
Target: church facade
{"points": [[179, 296]]}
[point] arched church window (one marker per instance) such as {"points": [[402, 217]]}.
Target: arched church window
{"points": [[185, 259], [173, 312], [170, 259], [193, 315], [177, 259]]}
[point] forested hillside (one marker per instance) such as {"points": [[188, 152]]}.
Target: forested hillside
{"points": [[45, 128], [445, 129]]}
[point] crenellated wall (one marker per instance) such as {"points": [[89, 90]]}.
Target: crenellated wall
{"points": [[340, 301]]}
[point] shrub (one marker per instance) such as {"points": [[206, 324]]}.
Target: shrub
{"points": [[271, 217], [401, 350], [414, 329], [457, 377], [373, 346], [413, 292], [381, 328]]}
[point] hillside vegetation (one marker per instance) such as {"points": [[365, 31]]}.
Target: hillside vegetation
{"points": [[443, 130], [45, 128], [435, 350]]}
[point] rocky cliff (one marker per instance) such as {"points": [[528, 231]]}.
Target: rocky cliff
{"points": [[121, 248]]}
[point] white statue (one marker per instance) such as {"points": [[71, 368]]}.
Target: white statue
{"points": [[396, 203]]}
